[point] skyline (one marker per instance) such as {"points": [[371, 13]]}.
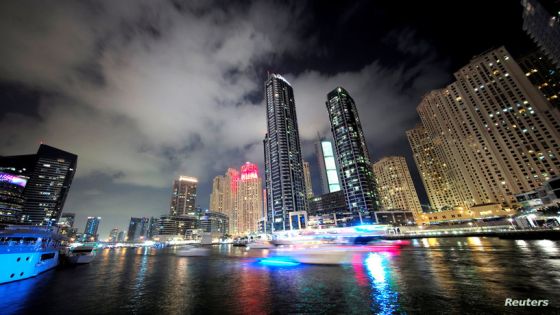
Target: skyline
{"points": [[105, 90]]}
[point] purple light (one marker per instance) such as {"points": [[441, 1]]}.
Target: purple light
{"points": [[13, 179]]}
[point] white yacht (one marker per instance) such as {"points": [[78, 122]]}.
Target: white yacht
{"points": [[26, 251], [82, 254]]}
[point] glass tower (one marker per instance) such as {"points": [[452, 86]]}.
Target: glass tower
{"points": [[285, 185], [356, 175], [327, 165]]}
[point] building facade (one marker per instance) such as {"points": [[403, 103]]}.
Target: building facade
{"points": [[285, 184], [11, 197], [249, 199], [214, 222], [395, 186], [92, 226], [493, 133], [541, 20], [544, 76], [217, 196], [328, 167], [307, 178], [138, 229], [50, 174], [183, 200], [356, 174]]}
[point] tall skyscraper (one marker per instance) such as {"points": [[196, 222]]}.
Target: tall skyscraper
{"points": [[541, 20], [284, 178], [544, 76], [50, 174], [395, 186], [218, 194], [153, 227], [432, 169], [230, 199], [495, 134], [307, 178], [356, 174], [92, 225], [327, 166], [250, 199], [184, 196], [113, 235]]}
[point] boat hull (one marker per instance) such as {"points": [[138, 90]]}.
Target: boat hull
{"points": [[22, 265]]}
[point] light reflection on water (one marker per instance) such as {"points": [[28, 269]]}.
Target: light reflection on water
{"points": [[426, 276]]}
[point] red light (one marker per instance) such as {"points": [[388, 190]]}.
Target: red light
{"points": [[249, 171]]}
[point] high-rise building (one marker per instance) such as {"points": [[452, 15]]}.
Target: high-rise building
{"points": [[285, 184], [181, 227], [92, 225], [395, 186], [249, 199], [153, 226], [50, 174], [138, 229], [67, 219], [231, 187], [218, 194], [184, 196], [543, 74], [121, 236], [214, 222], [307, 178], [327, 165], [113, 235], [541, 20], [356, 174], [492, 131], [11, 197]]}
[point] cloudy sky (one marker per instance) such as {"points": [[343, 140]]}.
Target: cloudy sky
{"points": [[143, 91]]}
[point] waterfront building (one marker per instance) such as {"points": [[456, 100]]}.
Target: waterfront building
{"points": [[249, 199], [395, 186], [11, 197], [215, 223], [231, 202], [330, 210], [138, 229], [92, 225], [307, 179], [328, 167], [50, 174], [121, 236], [183, 199], [284, 177], [218, 194], [543, 74], [356, 174], [491, 134], [113, 235], [541, 21], [153, 226], [396, 217], [184, 227]]}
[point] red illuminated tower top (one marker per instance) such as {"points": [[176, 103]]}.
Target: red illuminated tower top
{"points": [[249, 171]]}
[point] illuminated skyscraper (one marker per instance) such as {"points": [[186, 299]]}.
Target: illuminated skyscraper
{"points": [[356, 174], [249, 199], [92, 225], [285, 184], [184, 196], [50, 174], [395, 187], [307, 178], [492, 132], [230, 199], [327, 166], [138, 229]]}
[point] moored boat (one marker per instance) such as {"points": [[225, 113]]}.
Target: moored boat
{"points": [[26, 251], [81, 254]]}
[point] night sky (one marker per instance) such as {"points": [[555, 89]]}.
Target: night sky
{"points": [[143, 91]]}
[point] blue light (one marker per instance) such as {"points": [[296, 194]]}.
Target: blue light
{"points": [[369, 228], [278, 261]]}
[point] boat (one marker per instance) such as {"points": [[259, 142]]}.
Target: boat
{"points": [[240, 242], [26, 251], [192, 251], [259, 245], [319, 255], [81, 254]]}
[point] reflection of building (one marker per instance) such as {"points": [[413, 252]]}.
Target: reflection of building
{"points": [[138, 229], [214, 222], [50, 173], [541, 20], [493, 134], [356, 174], [284, 180], [307, 178], [11, 197], [327, 166], [184, 196], [92, 225], [394, 184]]}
